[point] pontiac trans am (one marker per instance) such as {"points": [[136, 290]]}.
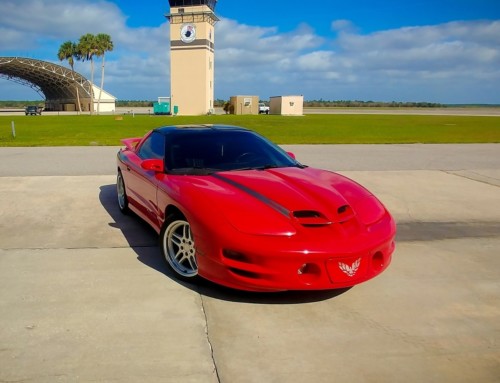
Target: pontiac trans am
{"points": [[233, 208]]}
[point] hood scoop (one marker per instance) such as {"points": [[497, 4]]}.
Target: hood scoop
{"points": [[311, 218], [345, 213]]}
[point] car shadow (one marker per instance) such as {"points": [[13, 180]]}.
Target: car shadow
{"points": [[212, 290], [144, 241]]}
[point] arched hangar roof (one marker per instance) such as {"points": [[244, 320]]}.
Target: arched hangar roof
{"points": [[51, 81]]}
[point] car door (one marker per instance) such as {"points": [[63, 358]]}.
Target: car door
{"points": [[143, 184]]}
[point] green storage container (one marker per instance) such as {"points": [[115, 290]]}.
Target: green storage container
{"points": [[161, 108]]}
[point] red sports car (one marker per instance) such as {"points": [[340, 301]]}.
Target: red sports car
{"points": [[233, 208]]}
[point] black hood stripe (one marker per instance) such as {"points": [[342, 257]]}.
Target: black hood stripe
{"points": [[273, 204]]}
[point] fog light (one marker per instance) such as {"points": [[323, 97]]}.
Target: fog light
{"points": [[302, 269], [309, 268], [308, 273], [234, 255]]}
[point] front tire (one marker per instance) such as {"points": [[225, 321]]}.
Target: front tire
{"points": [[121, 193], [178, 248]]}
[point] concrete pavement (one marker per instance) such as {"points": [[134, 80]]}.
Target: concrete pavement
{"points": [[85, 296]]}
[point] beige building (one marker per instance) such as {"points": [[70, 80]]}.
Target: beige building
{"points": [[192, 39], [287, 105], [244, 105]]}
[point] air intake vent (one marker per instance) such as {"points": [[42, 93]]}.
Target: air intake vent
{"points": [[342, 209], [345, 213], [306, 214], [311, 218]]}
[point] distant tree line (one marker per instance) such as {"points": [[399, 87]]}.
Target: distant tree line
{"points": [[134, 103], [20, 104], [353, 104], [219, 103], [369, 104]]}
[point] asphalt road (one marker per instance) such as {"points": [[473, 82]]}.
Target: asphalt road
{"points": [[101, 160], [84, 295]]}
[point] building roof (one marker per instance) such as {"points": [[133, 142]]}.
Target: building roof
{"points": [[51, 81], [191, 3]]}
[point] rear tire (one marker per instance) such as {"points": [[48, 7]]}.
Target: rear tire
{"points": [[178, 248], [121, 193]]}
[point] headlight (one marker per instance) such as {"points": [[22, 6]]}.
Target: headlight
{"points": [[369, 210]]}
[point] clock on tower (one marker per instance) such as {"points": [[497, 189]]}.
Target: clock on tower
{"points": [[192, 55]]}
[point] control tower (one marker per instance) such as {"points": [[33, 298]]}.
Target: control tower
{"points": [[192, 55]]}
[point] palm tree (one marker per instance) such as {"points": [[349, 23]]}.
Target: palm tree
{"points": [[104, 45], [87, 48], [68, 51]]}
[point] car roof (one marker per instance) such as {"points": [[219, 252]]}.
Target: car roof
{"points": [[199, 127]]}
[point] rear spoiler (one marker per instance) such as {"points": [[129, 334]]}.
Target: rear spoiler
{"points": [[131, 143]]}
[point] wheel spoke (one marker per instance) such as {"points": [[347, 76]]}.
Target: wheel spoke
{"points": [[192, 263], [187, 233], [176, 239], [179, 255]]}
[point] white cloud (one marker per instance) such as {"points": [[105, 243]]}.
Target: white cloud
{"points": [[60, 19], [450, 63], [429, 48]]}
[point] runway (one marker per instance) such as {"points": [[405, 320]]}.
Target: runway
{"points": [[85, 295]]}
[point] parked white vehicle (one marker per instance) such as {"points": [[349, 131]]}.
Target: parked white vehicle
{"points": [[263, 108]]}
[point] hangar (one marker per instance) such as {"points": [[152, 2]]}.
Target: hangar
{"points": [[59, 86]]}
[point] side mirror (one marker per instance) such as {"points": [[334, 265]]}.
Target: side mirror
{"points": [[291, 155], [154, 165]]}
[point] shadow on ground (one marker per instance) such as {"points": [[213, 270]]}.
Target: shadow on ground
{"points": [[434, 231], [144, 241]]}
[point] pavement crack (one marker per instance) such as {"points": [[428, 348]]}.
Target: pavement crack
{"points": [[475, 176], [207, 334]]}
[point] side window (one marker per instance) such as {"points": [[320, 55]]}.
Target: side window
{"points": [[153, 147]]}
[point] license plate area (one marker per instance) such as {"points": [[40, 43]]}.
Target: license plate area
{"points": [[347, 269]]}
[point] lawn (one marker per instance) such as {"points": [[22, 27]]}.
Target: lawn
{"points": [[88, 130]]}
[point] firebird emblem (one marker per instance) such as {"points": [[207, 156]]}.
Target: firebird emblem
{"points": [[350, 271]]}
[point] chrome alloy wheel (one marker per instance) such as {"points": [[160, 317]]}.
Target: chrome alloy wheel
{"points": [[120, 191], [179, 249]]}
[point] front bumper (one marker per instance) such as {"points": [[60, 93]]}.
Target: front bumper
{"points": [[267, 264]]}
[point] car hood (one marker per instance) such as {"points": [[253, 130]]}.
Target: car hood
{"points": [[284, 200]]}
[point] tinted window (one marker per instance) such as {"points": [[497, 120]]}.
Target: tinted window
{"points": [[153, 147], [215, 150]]}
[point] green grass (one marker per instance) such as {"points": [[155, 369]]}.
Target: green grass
{"points": [[310, 129]]}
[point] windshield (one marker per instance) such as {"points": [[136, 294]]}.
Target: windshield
{"points": [[209, 151]]}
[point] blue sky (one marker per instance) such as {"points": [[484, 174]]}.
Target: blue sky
{"points": [[445, 51]]}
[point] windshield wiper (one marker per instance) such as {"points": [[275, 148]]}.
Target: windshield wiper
{"points": [[194, 170], [262, 167], [268, 166], [271, 166]]}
